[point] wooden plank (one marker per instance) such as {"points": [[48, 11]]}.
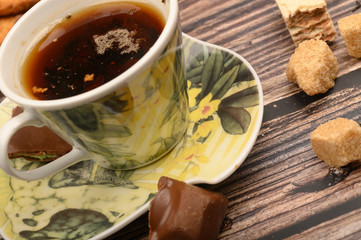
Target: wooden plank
{"points": [[283, 188], [255, 29]]}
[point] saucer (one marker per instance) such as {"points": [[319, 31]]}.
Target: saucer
{"points": [[88, 201]]}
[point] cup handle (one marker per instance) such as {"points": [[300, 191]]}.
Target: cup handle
{"points": [[9, 129]]}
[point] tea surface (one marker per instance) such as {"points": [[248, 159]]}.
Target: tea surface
{"points": [[90, 48]]}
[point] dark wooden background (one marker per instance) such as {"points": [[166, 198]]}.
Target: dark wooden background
{"points": [[282, 190]]}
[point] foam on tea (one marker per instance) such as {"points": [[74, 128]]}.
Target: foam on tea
{"points": [[90, 48]]}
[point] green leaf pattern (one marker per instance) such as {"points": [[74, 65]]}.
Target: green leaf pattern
{"points": [[213, 76], [215, 72], [120, 130]]}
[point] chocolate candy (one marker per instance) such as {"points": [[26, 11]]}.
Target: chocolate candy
{"points": [[184, 212], [36, 144]]}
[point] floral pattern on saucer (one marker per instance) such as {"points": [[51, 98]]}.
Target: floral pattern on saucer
{"points": [[86, 200]]}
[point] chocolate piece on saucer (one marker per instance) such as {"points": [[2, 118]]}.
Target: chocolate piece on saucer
{"points": [[184, 212], [36, 144]]}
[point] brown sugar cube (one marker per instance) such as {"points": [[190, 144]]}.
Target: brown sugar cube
{"points": [[337, 142], [307, 19], [313, 66], [350, 29]]}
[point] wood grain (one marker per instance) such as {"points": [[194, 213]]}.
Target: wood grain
{"points": [[282, 191], [256, 30]]}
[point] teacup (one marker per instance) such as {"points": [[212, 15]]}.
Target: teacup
{"points": [[126, 123]]}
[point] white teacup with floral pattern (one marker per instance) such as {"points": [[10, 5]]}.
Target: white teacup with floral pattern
{"points": [[126, 123]]}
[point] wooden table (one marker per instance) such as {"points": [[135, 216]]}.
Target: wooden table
{"points": [[282, 190]]}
